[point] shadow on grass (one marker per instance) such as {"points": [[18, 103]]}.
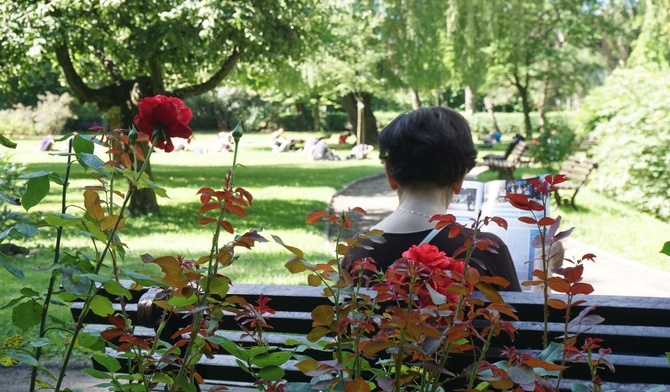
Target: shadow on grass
{"points": [[271, 213], [262, 176]]}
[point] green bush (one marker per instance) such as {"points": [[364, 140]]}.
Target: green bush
{"points": [[553, 144], [512, 123], [223, 107], [10, 187], [295, 122], [629, 116], [336, 121], [48, 117]]}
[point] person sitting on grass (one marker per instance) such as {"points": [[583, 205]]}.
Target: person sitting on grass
{"points": [[426, 155]]}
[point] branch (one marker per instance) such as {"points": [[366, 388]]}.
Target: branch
{"points": [[212, 82], [79, 88]]}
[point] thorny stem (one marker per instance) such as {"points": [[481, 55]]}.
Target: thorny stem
{"points": [[461, 299], [565, 338], [211, 270], [92, 287], [52, 280], [478, 361]]}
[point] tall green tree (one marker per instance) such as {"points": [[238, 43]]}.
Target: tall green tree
{"points": [[113, 53], [532, 39], [414, 39]]}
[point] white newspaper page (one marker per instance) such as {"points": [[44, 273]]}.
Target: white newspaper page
{"points": [[465, 205], [518, 235]]}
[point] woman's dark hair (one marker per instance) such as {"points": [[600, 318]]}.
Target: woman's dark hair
{"points": [[431, 146]]}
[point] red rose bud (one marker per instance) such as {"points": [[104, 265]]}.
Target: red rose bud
{"points": [[163, 118]]}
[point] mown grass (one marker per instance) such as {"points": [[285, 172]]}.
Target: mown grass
{"points": [[285, 187]]}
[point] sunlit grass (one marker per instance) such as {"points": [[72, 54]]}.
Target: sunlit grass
{"points": [[285, 188]]}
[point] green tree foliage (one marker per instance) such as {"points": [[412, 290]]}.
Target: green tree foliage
{"points": [[629, 116], [414, 39], [115, 52], [533, 42]]}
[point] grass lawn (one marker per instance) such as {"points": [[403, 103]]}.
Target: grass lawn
{"points": [[285, 187]]}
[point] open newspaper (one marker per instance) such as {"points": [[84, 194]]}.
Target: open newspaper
{"points": [[491, 198]]}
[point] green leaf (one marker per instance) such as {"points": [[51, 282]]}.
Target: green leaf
{"points": [[79, 144], [73, 282], [576, 387], [553, 352], [10, 199], [143, 279], [27, 315], [62, 219], [97, 374], [181, 302], [27, 230], [92, 161], [6, 262], [38, 174], [28, 292], [6, 142], [158, 190], [101, 306], [23, 358], [96, 278], [110, 363], [36, 190], [90, 229], [39, 342], [272, 359], [666, 248], [271, 373]]}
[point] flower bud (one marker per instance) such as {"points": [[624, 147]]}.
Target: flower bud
{"points": [[238, 132], [132, 135]]}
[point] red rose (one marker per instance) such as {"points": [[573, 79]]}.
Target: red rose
{"points": [[430, 256], [163, 118]]}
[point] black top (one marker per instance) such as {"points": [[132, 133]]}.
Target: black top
{"points": [[488, 263]]}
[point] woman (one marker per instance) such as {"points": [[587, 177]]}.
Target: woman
{"points": [[426, 155]]}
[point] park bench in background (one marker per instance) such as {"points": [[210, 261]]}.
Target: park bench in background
{"points": [[637, 329], [577, 170], [506, 166], [585, 145]]}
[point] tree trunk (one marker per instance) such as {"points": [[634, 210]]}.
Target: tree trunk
{"points": [[350, 105], [416, 100], [316, 114], [523, 93], [488, 104], [302, 113], [143, 201], [469, 102]]}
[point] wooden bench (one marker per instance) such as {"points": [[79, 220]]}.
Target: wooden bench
{"points": [[577, 170], [585, 144], [506, 167], [637, 329]]}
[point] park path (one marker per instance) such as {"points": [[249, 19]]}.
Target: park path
{"points": [[611, 274]]}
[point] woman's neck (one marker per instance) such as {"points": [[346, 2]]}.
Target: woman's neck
{"points": [[415, 207]]}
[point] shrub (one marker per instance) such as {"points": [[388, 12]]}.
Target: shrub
{"points": [[48, 117], [10, 189], [553, 144], [336, 121], [629, 116], [223, 107]]}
